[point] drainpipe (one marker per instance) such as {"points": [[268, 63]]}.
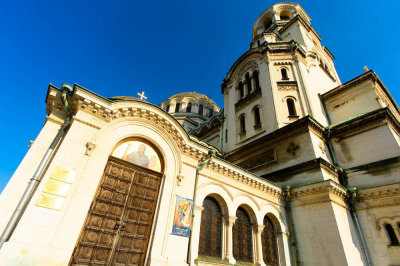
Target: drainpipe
{"points": [[293, 242], [221, 120], [357, 222], [39, 173], [200, 166]]}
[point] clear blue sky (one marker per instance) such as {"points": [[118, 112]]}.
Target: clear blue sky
{"points": [[161, 47]]}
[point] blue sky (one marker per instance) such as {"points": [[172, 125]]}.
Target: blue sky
{"points": [[162, 47]]}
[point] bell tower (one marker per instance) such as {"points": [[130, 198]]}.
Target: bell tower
{"points": [[279, 79]]}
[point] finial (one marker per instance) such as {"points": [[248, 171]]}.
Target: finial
{"points": [[366, 69]]}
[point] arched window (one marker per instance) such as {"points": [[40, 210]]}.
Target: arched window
{"points": [[242, 237], [189, 108], [284, 17], [242, 123], [269, 243], [392, 235], [284, 74], [167, 108], [258, 43], [257, 117], [211, 112], [248, 82], [200, 109], [291, 107], [257, 81], [210, 229], [177, 107], [241, 90]]}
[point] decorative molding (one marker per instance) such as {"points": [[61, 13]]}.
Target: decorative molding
{"points": [[89, 148], [292, 149], [256, 94], [179, 179], [85, 123], [282, 63]]}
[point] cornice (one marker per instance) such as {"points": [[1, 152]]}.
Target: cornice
{"points": [[365, 122], [372, 194], [325, 191]]}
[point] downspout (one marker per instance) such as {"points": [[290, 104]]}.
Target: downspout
{"points": [[39, 173], [200, 166], [221, 120], [345, 182], [357, 222], [293, 242]]}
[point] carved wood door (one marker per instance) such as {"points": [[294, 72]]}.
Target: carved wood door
{"points": [[269, 244], [118, 226], [242, 237]]}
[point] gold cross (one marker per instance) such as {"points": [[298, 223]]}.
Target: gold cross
{"points": [[142, 95]]}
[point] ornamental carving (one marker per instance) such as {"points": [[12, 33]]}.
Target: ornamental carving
{"points": [[260, 160]]}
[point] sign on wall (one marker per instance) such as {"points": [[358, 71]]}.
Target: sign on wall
{"points": [[182, 216]]}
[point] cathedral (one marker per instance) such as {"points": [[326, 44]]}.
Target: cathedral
{"points": [[297, 168]]}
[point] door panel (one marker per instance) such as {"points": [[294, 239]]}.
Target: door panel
{"points": [[118, 226]]}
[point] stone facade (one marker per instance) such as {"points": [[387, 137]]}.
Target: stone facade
{"points": [[295, 150]]}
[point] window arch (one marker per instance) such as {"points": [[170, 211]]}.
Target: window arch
{"points": [[167, 108], [200, 112], [189, 108], [291, 107], [210, 243], [242, 124], [284, 74], [177, 107], [392, 235], [242, 237], [248, 82], [257, 116], [269, 242], [241, 90]]}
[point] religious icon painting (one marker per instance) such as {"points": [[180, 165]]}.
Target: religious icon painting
{"points": [[182, 216], [140, 153]]}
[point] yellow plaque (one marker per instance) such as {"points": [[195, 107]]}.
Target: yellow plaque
{"points": [[63, 174], [56, 187], [49, 201]]}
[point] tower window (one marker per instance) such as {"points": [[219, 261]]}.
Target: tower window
{"points": [[226, 135], [211, 112], [200, 109], [257, 81], [189, 108], [257, 118], [241, 90], [284, 17], [248, 82], [291, 107], [242, 124], [258, 43], [177, 107], [167, 108], [392, 235], [284, 74]]}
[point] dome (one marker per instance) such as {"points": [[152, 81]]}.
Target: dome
{"points": [[194, 95]]}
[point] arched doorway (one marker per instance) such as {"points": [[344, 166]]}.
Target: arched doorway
{"points": [[118, 225]]}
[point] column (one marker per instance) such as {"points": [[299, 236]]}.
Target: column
{"points": [[229, 222], [196, 234], [245, 88], [258, 229], [253, 82]]}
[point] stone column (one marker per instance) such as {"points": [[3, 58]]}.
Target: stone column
{"points": [[258, 229], [229, 222], [196, 233], [253, 83], [245, 88]]}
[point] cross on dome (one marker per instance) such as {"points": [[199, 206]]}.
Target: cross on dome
{"points": [[141, 95]]}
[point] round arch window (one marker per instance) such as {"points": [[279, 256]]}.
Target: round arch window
{"points": [[139, 152]]}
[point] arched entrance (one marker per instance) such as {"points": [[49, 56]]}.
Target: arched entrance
{"points": [[118, 225]]}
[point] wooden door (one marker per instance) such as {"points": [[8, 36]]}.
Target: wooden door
{"points": [[118, 226]]}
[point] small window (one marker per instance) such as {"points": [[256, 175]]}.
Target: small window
{"points": [[291, 107], [258, 43], [177, 107], [241, 90], [242, 124], [284, 17], [189, 108], [392, 235], [257, 118], [200, 109], [211, 113], [257, 81], [248, 82], [167, 108], [226, 135], [284, 74]]}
